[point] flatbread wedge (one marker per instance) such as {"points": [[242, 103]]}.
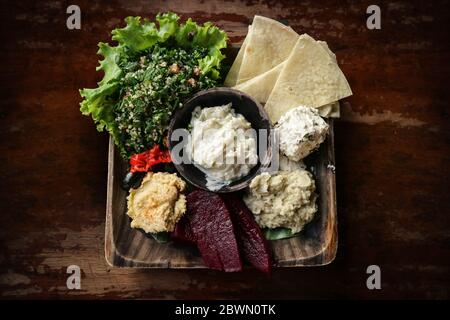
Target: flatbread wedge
{"points": [[269, 44], [310, 77], [232, 75], [331, 110], [261, 86]]}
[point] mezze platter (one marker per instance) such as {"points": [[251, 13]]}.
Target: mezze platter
{"points": [[220, 156]]}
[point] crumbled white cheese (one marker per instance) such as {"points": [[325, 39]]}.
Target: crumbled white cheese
{"points": [[301, 131]]}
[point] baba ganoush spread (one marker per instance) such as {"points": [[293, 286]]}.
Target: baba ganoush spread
{"points": [[282, 199], [301, 131], [222, 145]]}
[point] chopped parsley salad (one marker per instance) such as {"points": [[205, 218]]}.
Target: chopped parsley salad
{"points": [[148, 75]]}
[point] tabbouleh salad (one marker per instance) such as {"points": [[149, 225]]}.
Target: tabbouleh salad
{"points": [[148, 75], [152, 89]]}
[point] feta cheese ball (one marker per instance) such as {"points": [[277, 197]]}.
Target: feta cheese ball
{"points": [[301, 131]]}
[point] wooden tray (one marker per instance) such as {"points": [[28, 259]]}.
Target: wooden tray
{"points": [[127, 247]]}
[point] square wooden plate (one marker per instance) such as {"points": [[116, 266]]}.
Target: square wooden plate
{"points": [[316, 245]]}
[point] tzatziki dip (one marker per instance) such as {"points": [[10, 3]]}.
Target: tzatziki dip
{"points": [[222, 144]]}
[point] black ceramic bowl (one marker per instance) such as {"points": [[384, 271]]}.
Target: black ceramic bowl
{"points": [[241, 103]]}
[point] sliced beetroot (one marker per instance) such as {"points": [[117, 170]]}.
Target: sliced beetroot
{"points": [[195, 212], [213, 229], [183, 232], [218, 225], [253, 245]]}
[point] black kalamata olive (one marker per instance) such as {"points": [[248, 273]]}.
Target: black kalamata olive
{"points": [[164, 167], [132, 180]]}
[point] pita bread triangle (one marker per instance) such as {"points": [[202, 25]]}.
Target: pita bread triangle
{"points": [[261, 86], [310, 77], [269, 44], [232, 75]]}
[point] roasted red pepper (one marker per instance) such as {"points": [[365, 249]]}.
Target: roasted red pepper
{"points": [[143, 162]]}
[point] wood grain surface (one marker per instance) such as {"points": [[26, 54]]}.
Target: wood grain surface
{"points": [[392, 153]]}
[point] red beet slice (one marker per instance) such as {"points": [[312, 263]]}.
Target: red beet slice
{"points": [[252, 243], [211, 224], [183, 232]]}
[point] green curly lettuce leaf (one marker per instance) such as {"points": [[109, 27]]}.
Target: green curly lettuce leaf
{"points": [[109, 64], [136, 36], [168, 25], [209, 36], [139, 35]]}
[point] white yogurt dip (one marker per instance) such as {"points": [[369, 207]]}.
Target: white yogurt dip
{"points": [[222, 145]]}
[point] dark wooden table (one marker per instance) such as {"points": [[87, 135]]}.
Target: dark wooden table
{"points": [[392, 150]]}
